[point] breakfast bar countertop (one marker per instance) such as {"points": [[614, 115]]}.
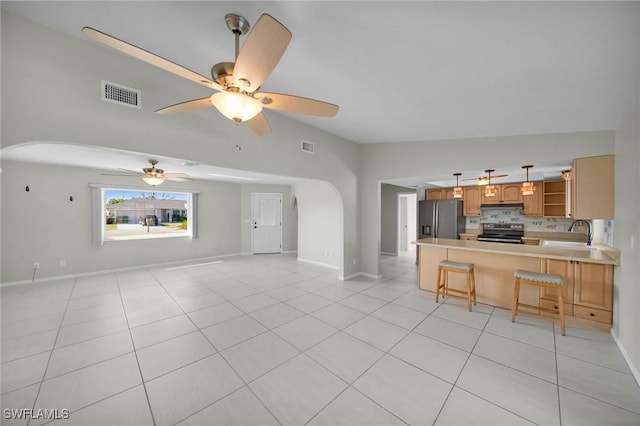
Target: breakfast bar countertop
{"points": [[596, 254]]}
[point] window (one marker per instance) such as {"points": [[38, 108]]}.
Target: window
{"points": [[130, 214]]}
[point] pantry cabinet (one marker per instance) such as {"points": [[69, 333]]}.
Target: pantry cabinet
{"points": [[433, 194]]}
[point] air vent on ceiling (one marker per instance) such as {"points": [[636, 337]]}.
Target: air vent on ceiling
{"points": [[307, 146], [121, 95]]}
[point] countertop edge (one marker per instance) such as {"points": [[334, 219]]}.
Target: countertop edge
{"points": [[592, 256]]}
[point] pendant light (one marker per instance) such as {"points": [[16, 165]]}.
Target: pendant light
{"points": [[527, 187], [490, 190], [457, 191], [566, 174]]}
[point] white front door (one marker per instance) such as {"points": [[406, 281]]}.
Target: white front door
{"points": [[267, 223]]}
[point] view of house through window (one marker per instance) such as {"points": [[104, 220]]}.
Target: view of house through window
{"points": [[131, 214]]}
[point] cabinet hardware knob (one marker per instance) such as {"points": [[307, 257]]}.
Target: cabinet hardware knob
{"points": [[555, 307], [591, 314]]}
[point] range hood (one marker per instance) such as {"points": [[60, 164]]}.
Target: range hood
{"points": [[512, 206]]}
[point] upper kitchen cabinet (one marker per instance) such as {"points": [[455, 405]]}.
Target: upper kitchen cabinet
{"points": [[592, 188], [439, 194], [554, 198], [533, 203], [472, 200], [508, 193], [434, 194]]}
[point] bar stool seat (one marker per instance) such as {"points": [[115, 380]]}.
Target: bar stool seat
{"points": [[541, 280], [442, 284]]}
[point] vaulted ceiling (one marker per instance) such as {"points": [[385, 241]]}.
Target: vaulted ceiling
{"points": [[407, 71]]}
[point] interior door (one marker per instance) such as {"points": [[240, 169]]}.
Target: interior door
{"points": [[266, 223]]}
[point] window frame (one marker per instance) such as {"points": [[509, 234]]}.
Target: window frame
{"points": [[99, 213]]}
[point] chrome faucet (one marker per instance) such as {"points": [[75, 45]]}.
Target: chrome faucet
{"points": [[583, 222]]}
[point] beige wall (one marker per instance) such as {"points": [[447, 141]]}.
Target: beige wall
{"points": [[43, 226], [389, 217], [50, 92], [320, 224], [626, 296]]}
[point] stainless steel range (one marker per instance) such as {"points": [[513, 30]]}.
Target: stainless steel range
{"points": [[502, 233]]}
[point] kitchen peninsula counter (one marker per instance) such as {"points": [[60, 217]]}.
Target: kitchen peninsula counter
{"points": [[495, 264], [607, 256]]}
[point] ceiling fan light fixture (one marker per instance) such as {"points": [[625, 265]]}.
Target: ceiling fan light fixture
{"points": [[236, 106], [153, 180], [482, 181]]}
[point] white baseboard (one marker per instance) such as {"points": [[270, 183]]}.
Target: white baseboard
{"points": [[625, 355], [289, 251], [128, 268], [359, 274], [385, 253], [313, 262]]}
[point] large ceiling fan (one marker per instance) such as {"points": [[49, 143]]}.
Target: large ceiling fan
{"points": [[237, 83], [153, 176]]}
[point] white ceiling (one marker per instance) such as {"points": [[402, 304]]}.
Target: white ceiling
{"points": [[407, 71]]}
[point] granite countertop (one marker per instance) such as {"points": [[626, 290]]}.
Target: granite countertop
{"points": [[599, 254]]}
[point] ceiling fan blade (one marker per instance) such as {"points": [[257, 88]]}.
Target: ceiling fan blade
{"points": [[259, 125], [178, 177], [498, 176], [297, 104], [149, 57], [186, 106], [261, 52]]}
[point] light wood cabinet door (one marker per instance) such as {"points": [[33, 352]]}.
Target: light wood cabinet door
{"points": [[511, 193], [593, 285], [533, 203], [491, 200], [593, 187], [448, 193], [434, 194], [564, 268], [472, 200]]}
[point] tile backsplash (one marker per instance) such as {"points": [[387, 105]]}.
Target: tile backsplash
{"points": [[531, 224]]}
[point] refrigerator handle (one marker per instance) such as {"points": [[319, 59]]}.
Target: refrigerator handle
{"points": [[436, 231]]}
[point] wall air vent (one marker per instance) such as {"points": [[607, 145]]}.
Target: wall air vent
{"points": [[121, 95], [307, 146]]}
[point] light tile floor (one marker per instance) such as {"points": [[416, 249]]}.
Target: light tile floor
{"points": [[266, 340]]}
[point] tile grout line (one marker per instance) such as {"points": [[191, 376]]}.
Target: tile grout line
{"points": [[44, 374], [218, 352], [555, 357], [462, 369], [133, 345]]}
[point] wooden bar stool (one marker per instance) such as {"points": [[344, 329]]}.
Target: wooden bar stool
{"points": [[446, 266], [540, 280]]}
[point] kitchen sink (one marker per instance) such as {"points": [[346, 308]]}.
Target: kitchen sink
{"points": [[567, 244]]}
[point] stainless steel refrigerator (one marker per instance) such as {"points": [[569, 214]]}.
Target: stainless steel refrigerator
{"points": [[440, 219]]}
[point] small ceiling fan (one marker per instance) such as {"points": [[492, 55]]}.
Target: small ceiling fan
{"points": [[153, 176], [237, 83], [484, 180]]}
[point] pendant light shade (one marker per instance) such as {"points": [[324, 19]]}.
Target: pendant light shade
{"points": [[527, 187], [457, 191], [153, 180], [236, 106], [489, 190]]}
